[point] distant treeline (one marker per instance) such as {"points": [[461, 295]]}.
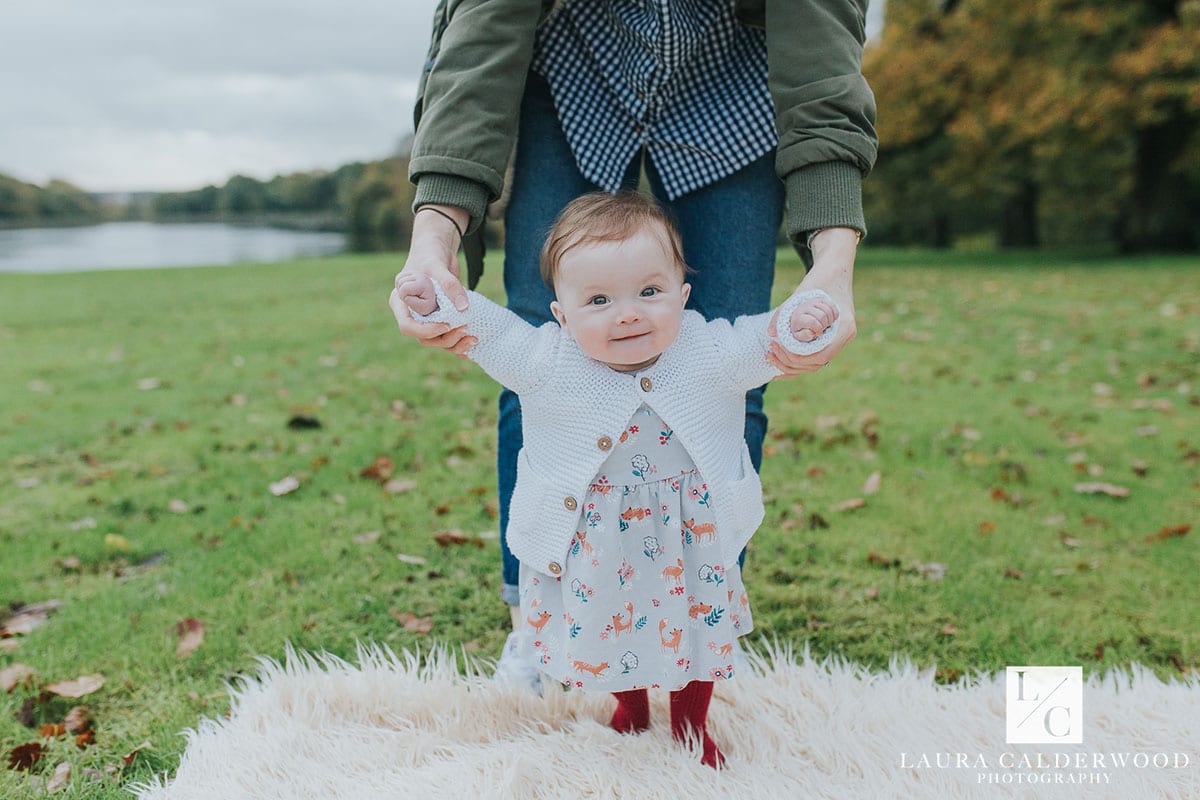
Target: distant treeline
{"points": [[56, 203], [371, 202]]}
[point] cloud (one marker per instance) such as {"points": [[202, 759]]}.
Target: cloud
{"points": [[135, 95]]}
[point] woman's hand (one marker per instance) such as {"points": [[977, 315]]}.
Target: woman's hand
{"points": [[434, 255], [833, 271]]}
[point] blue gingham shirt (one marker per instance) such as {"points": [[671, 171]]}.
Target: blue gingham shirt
{"points": [[680, 78]]}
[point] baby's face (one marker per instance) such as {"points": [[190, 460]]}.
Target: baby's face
{"points": [[621, 301]]}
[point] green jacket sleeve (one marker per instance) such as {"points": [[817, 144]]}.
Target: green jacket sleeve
{"points": [[468, 101], [825, 112]]}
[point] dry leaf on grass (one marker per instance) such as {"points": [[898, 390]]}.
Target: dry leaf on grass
{"points": [[1015, 574], [380, 470], [128, 757], [14, 675], [368, 537], [61, 777], [399, 487], [191, 636], [934, 571], [456, 537], [881, 561], [26, 618], [849, 505], [24, 756], [412, 622], [1102, 488], [407, 559], [177, 506], [84, 684], [1168, 532], [872, 484], [285, 486], [78, 719], [117, 542]]}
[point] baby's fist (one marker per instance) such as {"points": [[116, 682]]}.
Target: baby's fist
{"points": [[418, 293], [811, 319]]}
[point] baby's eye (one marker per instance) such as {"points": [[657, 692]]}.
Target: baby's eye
{"points": [[650, 291], [598, 300]]}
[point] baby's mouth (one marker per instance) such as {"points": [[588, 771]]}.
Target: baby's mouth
{"points": [[631, 337]]}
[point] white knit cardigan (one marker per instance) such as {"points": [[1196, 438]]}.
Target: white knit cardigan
{"points": [[573, 408]]}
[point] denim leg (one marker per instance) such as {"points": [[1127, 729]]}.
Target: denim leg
{"points": [[545, 178], [729, 232]]}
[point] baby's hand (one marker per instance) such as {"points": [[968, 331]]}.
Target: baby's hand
{"points": [[811, 319], [418, 293]]}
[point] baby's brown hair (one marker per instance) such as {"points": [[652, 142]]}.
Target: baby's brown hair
{"points": [[603, 217]]}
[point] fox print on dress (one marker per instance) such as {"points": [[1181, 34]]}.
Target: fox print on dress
{"points": [[642, 600]]}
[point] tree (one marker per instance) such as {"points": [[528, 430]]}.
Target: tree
{"points": [[1061, 119]]}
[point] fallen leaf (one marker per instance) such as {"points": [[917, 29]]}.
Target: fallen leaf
{"points": [[52, 730], [147, 384], [1069, 541], [1146, 430], [177, 506], [191, 636], [948, 630], [84, 684], [1168, 532], [407, 559], [442, 510], [14, 675], [815, 472], [933, 570], [882, 561], [380, 470], [986, 527], [24, 756], [1102, 488], [86, 738], [368, 537], [78, 719], [86, 523], [871, 593], [115, 541], [456, 537], [285, 486], [27, 618], [71, 564], [872, 484], [1015, 574], [128, 757], [303, 422], [849, 505], [412, 622], [399, 487], [1139, 467], [61, 777]]}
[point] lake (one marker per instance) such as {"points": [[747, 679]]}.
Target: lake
{"points": [[140, 245]]}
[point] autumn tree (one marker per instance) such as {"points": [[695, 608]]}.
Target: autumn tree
{"points": [[1045, 120]]}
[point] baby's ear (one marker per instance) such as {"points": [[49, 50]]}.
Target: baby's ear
{"points": [[687, 292], [557, 311]]}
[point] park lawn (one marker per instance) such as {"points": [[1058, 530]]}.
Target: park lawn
{"points": [[143, 417]]}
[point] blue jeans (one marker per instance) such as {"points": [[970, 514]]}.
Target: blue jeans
{"points": [[729, 231]]}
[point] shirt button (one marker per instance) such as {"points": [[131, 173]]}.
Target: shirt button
{"points": [[646, 385], [604, 443], [554, 568], [569, 503]]}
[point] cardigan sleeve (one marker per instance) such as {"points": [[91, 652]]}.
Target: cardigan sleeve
{"points": [[512, 351], [744, 345]]}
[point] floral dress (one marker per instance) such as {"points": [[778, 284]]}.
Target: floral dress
{"points": [[644, 598]]}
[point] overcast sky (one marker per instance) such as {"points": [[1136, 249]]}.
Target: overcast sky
{"points": [[148, 95]]}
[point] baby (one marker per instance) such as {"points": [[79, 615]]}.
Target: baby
{"points": [[635, 492]]}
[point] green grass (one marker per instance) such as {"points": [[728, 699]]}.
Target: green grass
{"points": [[982, 387]]}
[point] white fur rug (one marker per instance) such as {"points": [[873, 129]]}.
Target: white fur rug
{"points": [[791, 727]]}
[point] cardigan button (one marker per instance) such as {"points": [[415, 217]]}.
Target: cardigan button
{"points": [[554, 568], [604, 443], [646, 385], [569, 503]]}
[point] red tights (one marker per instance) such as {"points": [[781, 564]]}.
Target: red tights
{"points": [[689, 716]]}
